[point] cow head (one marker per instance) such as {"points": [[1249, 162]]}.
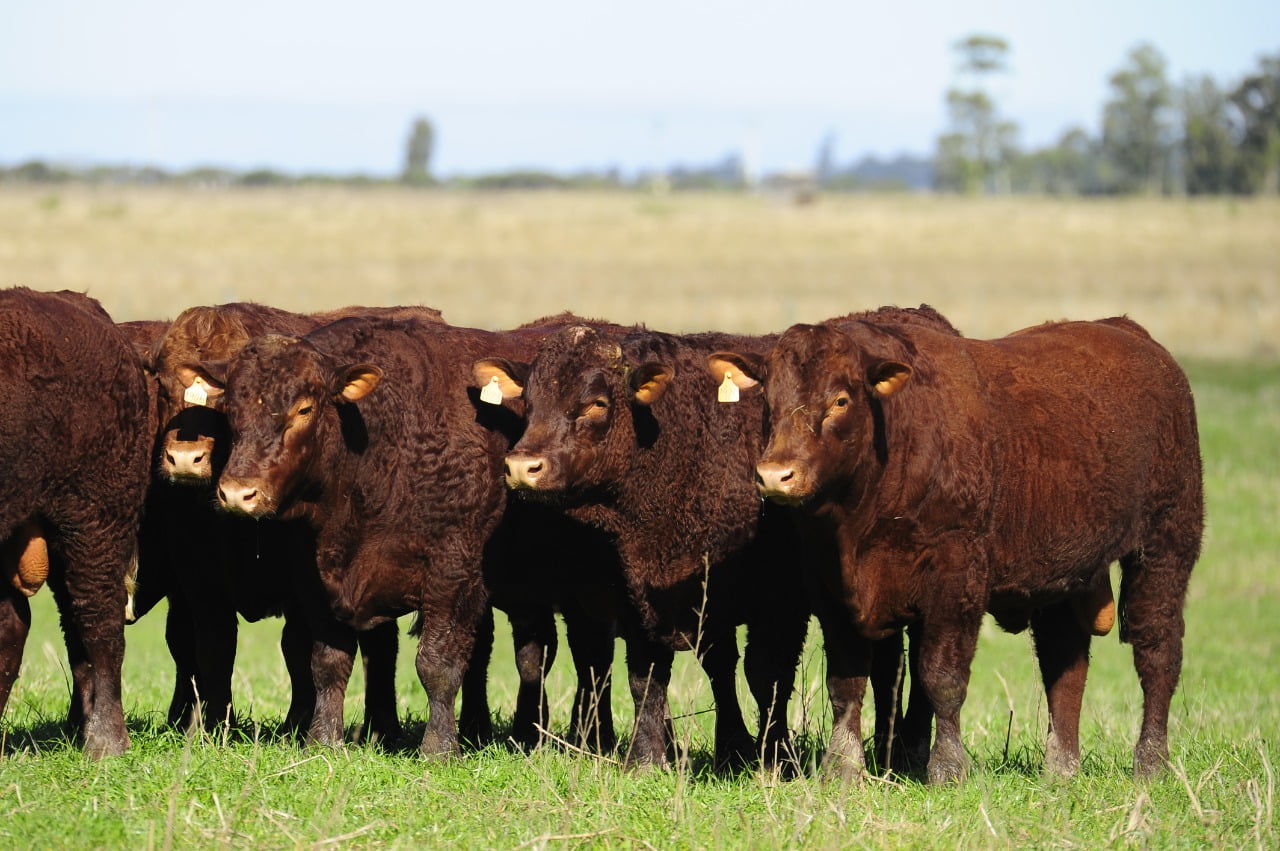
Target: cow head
{"points": [[281, 395], [824, 389], [194, 427], [578, 395]]}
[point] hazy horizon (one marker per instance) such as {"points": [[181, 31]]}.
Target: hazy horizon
{"points": [[566, 86]]}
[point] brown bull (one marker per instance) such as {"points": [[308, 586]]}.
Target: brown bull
{"points": [[960, 476], [73, 471]]}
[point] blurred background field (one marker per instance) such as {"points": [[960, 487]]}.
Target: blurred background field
{"points": [[1203, 275]]}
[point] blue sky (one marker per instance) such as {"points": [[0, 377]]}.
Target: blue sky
{"points": [[562, 84]]}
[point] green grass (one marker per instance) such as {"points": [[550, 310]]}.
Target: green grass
{"points": [[250, 789]]}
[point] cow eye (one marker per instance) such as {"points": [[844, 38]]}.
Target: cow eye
{"points": [[304, 410], [842, 401], [594, 409]]}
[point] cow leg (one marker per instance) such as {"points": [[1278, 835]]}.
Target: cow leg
{"points": [[333, 650], [648, 675], [773, 651], [533, 632], [475, 724], [1062, 648], [15, 623], [1153, 587], [296, 647], [888, 675], [591, 645], [378, 648], [180, 636], [77, 657], [917, 725], [848, 666], [444, 650], [734, 745], [92, 597], [216, 630], [946, 655]]}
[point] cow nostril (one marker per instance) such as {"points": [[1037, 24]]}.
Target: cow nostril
{"points": [[169, 459], [198, 459], [249, 496], [222, 496], [534, 468], [786, 476]]}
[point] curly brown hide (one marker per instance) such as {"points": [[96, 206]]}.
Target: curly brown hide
{"points": [[957, 476], [212, 566], [624, 435], [366, 431], [74, 442]]}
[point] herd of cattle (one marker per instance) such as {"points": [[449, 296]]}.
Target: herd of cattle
{"points": [[344, 469]]}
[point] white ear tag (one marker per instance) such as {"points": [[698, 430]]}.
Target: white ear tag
{"points": [[491, 392], [728, 391], [196, 394]]}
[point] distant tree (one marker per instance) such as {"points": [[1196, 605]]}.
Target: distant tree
{"points": [[1137, 123], [825, 169], [417, 155], [1072, 166], [1257, 100], [1208, 148], [977, 151]]}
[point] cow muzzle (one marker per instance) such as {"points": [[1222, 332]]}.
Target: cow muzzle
{"points": [[524, 472], [188, 460], [243, 497], [781, 482]]}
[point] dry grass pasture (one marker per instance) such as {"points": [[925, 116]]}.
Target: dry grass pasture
{"points": [[1202, 275]]}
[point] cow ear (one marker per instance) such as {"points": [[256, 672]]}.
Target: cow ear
{"points": [[499, 379], [744, 371], [887, 377], [352, 383], [649, 381], [205, 383]]}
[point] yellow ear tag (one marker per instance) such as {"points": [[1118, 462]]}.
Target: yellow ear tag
{"points": [[491, 392], [196, 394], [728, 391]]}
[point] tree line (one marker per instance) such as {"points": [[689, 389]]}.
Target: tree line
{"points": [[1156, 137], [1199, 137]]}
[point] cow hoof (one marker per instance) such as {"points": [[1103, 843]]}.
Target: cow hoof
{"points": [[735, 756], [1058, 761], [644, 763], [948, 764], [1149, 759], [98, 746], [843, 769], [438, 747], [325, 739]]}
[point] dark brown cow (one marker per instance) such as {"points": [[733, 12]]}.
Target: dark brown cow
{"points": [[213, 566], [960, 476], [623, 436], [73, 471], [365, 431]]}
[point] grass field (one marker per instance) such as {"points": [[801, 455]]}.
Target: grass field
{"points": [[1203, 276]]}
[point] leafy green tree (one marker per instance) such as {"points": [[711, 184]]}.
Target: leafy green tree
{"points": [[1137, 123], [417, 155], [1072, 166], [977, 151], [1257, 99], [1208, 150]]}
